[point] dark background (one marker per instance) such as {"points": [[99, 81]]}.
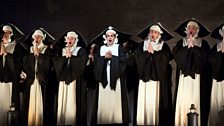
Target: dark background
{"points": [[90, 17]]}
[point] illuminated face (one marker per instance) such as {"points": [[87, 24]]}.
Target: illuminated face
{"points": [[153, 35], [110, 37], [7, 34], [38, 39], [192, 30], [70, 41]]}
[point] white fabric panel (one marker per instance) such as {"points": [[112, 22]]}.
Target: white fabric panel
{"points": [[188, 93], [35, 115], [148, 103], [5, 95], [66, 103], [217, 103], [109, 105]]}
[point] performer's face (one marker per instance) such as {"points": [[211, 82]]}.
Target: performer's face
{"points": [[7, 34], [38, 38], [192, 30], [153, 35], [70, 41], [110, 37]]}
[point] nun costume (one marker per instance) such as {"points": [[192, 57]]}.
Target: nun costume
{"points": [[190, 54], [154, 102], [216, 59], [36, 68], [69, 63], [11, 53], [110, 102]]}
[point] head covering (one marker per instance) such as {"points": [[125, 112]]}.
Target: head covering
{"points": [[72, 34], [203, 31], [193, 23], [61, 41], [7, 28], [48, 39], [165, 35], [121, 36], [218, 33], [40, 33], [16, 32], [156, 28]]}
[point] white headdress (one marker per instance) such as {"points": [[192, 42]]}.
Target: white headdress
{"points": [[7, 28], [156, 28], [193, 23], [39, 32], [110, 30], [72, 34]]}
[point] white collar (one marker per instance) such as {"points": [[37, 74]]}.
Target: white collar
{"points": [[73, 49], [198, 42], [157, 46], [113, 48], [220, 47], [41, 46]]}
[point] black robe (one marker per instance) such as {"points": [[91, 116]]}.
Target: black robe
{"points": [[195, 61], [44, 68], [91, 87], [11, 71], [132, 86], [156, 67], [117, 70], [216, 59], [71, 72]]}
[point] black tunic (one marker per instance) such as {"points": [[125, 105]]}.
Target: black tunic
{"points": [[69, 72], [156, 67], [117, 70], [195, 61], [216, 59], [44, 68], [132, 86]]}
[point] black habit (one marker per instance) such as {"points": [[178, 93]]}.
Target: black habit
{"points": [[44, 68], [68, 70], [156, 67], [191, 61], [117, 70]]}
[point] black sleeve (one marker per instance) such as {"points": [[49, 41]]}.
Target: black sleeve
{"points": [[99, 66], [140, 59], [78, 63]]}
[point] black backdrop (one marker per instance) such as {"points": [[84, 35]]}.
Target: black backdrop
{"points": [[92, 16]]}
